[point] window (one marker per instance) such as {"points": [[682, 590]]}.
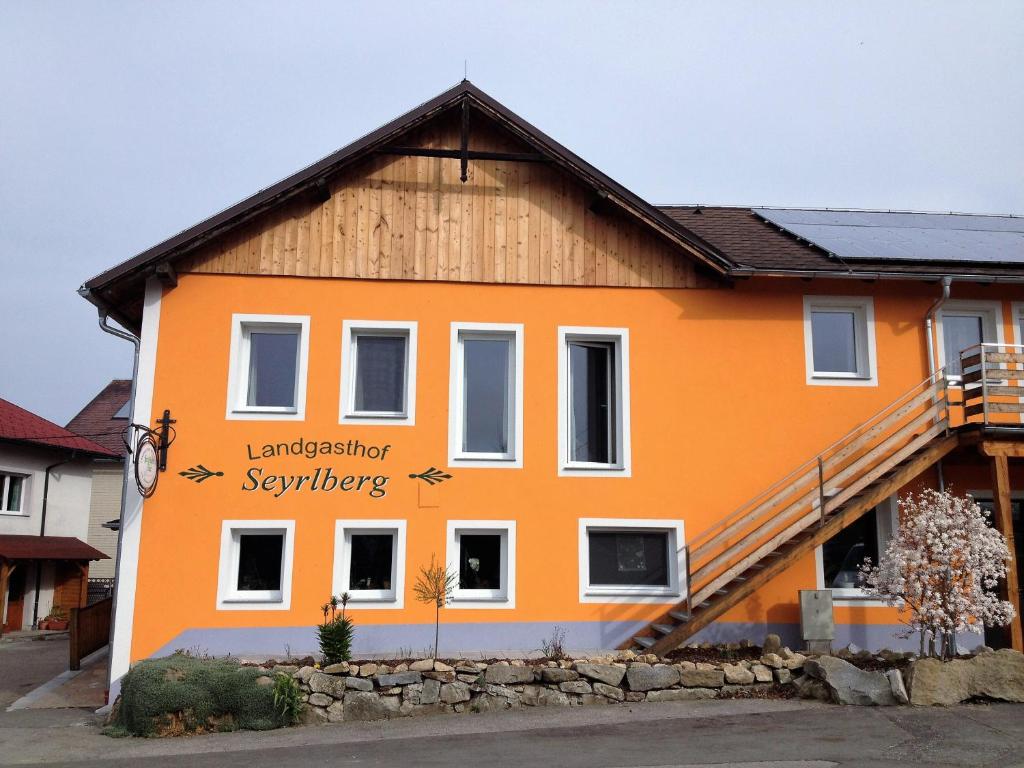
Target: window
{"points": [[631, 560], [12, 493], [839, 340], [486, 400], [256, 564], [963, 324], [593, 401], [123, 412], [840, 558], [267, 375], [482, 554], [369, 562], [379, 372]]}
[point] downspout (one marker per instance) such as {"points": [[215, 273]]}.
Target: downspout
{"points": [[929, 333], [136, 342], [42, 532]]}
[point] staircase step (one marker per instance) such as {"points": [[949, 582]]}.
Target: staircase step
{"points": [[644, 642], [664, 629], [679, 616]]}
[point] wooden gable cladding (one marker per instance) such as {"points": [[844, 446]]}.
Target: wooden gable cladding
{"points": [[410, 218]]}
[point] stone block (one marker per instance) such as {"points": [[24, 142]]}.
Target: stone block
{"points": [[422, 665], [320, 683], [399, 678], [604, 673], [899, 690], [783, 676], [336, 669], [998, 675], [367, 670], [557, 675], [444, 677], [304, 673], [702, 678], [431, 692], [313, 716], [644, 677], [762, 674], [575, 686], [499, 675], [772, 644], [453, 693], [933, 681], [336, 712], [358, 684], [592, 698], [795, 661], [635, 696], [773, 660], [850, 685], [737, 674], [320, 700], [610, 691], [361, 705], [538, 696], [682, 694], [440, 666]]}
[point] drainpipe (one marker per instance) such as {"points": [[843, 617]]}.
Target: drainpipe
{"points": [[135, 342], [929, 328], [42, 532]]}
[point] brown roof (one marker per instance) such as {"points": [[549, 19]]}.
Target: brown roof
{"points": [[752, 243], [97, 418], [47, 548], [21, 426]]}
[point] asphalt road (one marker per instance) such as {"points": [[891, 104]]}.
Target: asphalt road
{"points": [[27, 664], [719, 733]]}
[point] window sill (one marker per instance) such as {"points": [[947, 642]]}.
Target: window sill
{"points": [[235, 603], [6, 513], [833, 380], [612, 595], [262, 414], [480, 602], [593, 470], [380, 419], [471, 461]]}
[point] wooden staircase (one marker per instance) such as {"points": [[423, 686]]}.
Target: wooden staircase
{"points": [[731, 560]]}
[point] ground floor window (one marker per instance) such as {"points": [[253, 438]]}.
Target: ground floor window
{"points": [[369, 562], [841, 557], [630, 558], [481, 553], [256, 564]]}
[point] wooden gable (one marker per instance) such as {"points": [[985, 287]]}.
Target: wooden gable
{"points": [[403, 217]]}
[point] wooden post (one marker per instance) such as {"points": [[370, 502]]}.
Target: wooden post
{"points": [[5, 577], [74, 659], [1004, 524]]}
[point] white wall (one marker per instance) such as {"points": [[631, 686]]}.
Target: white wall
{"points": [[67, 510]]}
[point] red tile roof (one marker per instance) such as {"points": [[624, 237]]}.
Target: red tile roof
{"points": [[47, 548], [19, 425], [97, 418]]}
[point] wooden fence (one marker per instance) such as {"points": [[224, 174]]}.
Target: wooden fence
{"points": [[89, 629]]}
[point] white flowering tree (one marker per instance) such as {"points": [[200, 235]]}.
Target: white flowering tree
{"points": [[942, 568]]}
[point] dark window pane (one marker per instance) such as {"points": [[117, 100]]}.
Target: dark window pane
{"points": [[259, 562], [834, 342], [13, 493], [959, 333], [273, 358], [628, 559], [370, 565], [844, 553], [592, 405], [485, 395], [480, 561], [380, 374]]}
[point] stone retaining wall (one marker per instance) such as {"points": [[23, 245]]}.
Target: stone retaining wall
{"points": [[372, 691]]}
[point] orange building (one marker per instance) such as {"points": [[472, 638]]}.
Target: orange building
{"points": [[456, 340]]}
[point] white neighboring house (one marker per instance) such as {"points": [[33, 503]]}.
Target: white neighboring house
{"points": [[46, 479]]}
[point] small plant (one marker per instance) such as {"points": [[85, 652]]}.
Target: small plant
{"points": [[434, 587], [335, 634], [554, 647], [287, 699]]}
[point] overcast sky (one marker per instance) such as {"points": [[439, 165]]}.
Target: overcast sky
{"points": [[122, 123]]}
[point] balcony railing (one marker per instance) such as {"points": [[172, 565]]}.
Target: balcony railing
{"points": [[993, 384]]}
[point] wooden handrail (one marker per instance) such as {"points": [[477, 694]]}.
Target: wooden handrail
{"points": [[89, 630]]}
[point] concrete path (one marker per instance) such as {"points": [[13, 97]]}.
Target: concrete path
{"points": [[741, 734], [28, 661]]}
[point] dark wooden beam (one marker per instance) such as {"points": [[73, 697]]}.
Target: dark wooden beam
{"points": [[1004, 524], [457, 154], [464, 146], [166, 274], [321, 191]]}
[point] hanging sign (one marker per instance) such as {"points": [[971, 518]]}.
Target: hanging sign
{"points": [[147, 465]]}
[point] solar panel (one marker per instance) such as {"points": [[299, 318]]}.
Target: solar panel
{"points": [[905, 236]]}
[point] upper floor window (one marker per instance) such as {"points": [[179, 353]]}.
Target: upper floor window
{"points": [[486, 400], [839, 340], [12, 493], [379, 370], [964, 324], [267, 371], [593, 384]]}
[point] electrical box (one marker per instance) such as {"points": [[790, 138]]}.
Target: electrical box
{"points": [[817, 624]]}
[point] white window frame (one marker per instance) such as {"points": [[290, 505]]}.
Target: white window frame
{"points": [[370, 598], [513, 458], [229, 597], [484, 598], [863, 309], [238, 368], [887, 519], [619, 339], [991, 314], [26, 479], [673, 593], [351, 330]]}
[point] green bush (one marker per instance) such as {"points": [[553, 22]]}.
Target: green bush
{"points": [[335, 639], [181, 693]]}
